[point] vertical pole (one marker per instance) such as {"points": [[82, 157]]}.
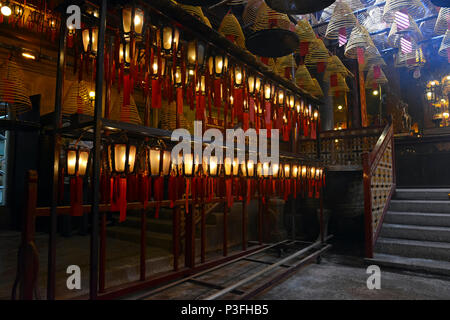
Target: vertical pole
{"points": [[96, 148], [190, 238], [244, 223], [176, 236], [143, 244], [225, 229], [51, 267], [102, 264], [260, 217], [321, 216], [203, 233]]}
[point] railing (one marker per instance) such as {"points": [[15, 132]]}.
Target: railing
{"points": [[379, 185], [342, 148]]}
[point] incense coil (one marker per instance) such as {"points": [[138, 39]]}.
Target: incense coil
{"points": [[335, 65], [371, 81], [410, 60], [359, 38], [395, 34], [442, 21], [315, 88], [342, 17], [318, 53], [303, 77], [197, 12], [283, 63], [125, 113], [266, 19], [413, 7], [304, 31], [168, 118], [340, 87], [232, 30], [445, 45], [77, 100], [250, 12], [12, 88], [370, 60]]}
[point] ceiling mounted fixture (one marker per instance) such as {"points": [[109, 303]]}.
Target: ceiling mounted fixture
{"points": [[299, 6]]}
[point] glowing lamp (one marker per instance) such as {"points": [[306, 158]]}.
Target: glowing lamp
{"points": [[77, 160], [238, 76], [122, 158], [133, 22], [287, 171], [90, 40], [294, 171], [170, 39]]}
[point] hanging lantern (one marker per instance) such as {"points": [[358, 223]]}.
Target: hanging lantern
{"points": [[294, 171], [122, 158], [156, 69], [304, 172], [431, 94], [90, 40], [218, 65], [227, 166], [291, 100], [196, 54], [124, 54], [6, 8], [275, 170], [281, 97], [188, 165], [133, 20], [170, 39], [77, 160], [287, 171], [238, 76], [158, 167], [177, 78], [213, 167], [316, 115], [267, 91], [17, 10]]}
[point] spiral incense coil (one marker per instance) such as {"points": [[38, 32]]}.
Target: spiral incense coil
{"points": [[359, 38], [340, 87], [318, 53], [77, 100], [371, 82], [304, 31], [125, 113], [232, 30], [335, 65], [445, 46], [374, 22], [168, 118], [442, 21], [285, 65], [13, 93], [410, 60], [315, 89], [250, 12], [373, 59], [266, 18], [303, 77], [197, 12], [414, 8], [342, 17], [395, 34]]}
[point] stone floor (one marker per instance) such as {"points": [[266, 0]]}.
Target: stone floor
{"points": [[344, 278]]}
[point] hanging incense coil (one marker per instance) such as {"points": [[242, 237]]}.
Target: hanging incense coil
{"points": [[299, 6], [77, 100], [341, 86], [395, 34], [14, 96], [371, 82], [196, 12], [359, 38], [410, 60], [232, 30], [285, 65], [414, 8], [168, 118], [442, 21], [318, 53], [303, 77], [342, 18], [250, 12], [374, 22], [335, 65], [373, 59], [315, 90], [304, 31], [444, 49], [273, 34], [125, 113]]}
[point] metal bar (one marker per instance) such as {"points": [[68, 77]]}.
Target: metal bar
{"points": [[257, 274], [102, 263], [143, 244], [51, 268], [176, 236], [283, 275], [266, 262], [212, 285], [93, 283], [229, 260]]}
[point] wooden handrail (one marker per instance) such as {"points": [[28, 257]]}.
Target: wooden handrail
{"points": [[371, 161]]}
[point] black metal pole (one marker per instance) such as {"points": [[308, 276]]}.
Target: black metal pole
{"points": [[93, 281], [55, 142]]}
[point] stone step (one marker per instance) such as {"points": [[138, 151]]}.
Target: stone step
{"points": [[421, 194], [413, 248], [413, 264], [431, 206], [414, 232], [418, 218]]}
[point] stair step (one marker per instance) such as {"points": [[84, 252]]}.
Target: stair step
{"points": [[422, 194], [414, 264], [155, 225], [413, 248], [432, 206], [414, 232], [418, 218]]}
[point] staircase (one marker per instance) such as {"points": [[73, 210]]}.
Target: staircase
{"points": [[415, 234]]}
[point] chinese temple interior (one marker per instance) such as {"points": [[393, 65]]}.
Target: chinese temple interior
{"points": [[100, 101]]}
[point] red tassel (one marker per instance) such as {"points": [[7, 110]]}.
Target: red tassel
{"points": [[333, 80], [304, 48], [238, 103], [320, 67], [172, 190], [376, 72], [186, 206], [143, 189], [179, 100], [228, 183], [156, 94], [217, 94], [76, 196], [119, 196]]}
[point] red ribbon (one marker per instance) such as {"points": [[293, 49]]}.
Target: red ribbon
{"points": [[76, 196], [217, 94], [156, 94], [304, 48], [119, 196]]}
